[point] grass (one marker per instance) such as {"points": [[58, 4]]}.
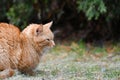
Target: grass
{"points": [[77, 62]]}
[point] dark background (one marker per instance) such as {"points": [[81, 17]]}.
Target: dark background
{"points": [[93, 21]]}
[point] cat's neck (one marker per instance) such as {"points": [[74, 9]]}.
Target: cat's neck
{"points": [[29, 47], [29, 54]]}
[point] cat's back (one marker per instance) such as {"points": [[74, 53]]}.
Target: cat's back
{"points": [[8, 29], [9, 45], [9, 35]]}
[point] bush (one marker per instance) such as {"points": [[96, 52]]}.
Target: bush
{"points": [[100, 17], [92, 8], [19, 13]]}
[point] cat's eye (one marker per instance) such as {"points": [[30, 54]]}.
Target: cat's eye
{"points": [[48, 39]]}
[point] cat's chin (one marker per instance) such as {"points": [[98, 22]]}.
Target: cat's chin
{"points": [[45, 50]]}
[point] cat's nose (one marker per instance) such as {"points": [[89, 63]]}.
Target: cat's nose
{"points": [[53, 43]]}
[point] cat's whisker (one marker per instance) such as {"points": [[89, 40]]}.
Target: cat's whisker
{"points": [[56, 32]]}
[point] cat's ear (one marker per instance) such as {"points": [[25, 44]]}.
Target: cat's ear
{"points": [[48, 25], [39, 30]]}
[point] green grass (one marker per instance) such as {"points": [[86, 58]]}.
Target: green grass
{"points": [[75, 62]]}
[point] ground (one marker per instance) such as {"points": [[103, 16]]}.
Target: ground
{"points": [[64, 63]]}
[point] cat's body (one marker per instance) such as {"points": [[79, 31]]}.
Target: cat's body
{"points": [[22, 50]]}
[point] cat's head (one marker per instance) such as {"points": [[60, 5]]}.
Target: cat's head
{"points": [[40, 35]]}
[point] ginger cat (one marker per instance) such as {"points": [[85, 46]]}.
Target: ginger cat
{"points": [[23, 50]]}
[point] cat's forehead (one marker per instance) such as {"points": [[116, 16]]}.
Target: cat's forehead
{"points": [[46, 30], [48, 33]]}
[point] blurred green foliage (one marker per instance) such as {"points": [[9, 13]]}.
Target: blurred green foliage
{"points": [[92, 8], [19, 14], [79, 14], [19, 11]]}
